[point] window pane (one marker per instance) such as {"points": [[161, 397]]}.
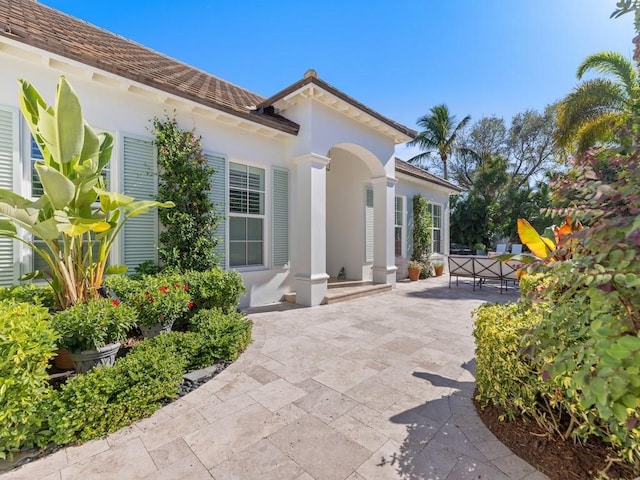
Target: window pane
{"points": [[398, 241], [237, 175], [254, 229], [256, 203], [437, 248], [237, 254], [254, 253], [256, 179], [238, 201], [237, 229]]}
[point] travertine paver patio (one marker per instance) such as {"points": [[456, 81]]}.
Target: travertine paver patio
{"points": [[374, 388]]}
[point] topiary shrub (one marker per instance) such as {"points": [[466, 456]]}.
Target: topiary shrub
{"points": [[224, 336], [186, 345], [27, 341], [107, 399]]}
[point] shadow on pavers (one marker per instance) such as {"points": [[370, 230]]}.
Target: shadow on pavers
{"points": [[436, 438]]}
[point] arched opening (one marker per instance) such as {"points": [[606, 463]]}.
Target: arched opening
{"points": [[349, 211]]}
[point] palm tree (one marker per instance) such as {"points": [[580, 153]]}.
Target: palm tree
{"points": [[589, 114], [439, 133]]}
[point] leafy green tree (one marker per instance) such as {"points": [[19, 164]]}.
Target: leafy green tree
{"points": [[590, 113], [439, 133], [188, 238]]}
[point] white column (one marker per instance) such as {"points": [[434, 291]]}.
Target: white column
{"points": [[384, 194], [311, 228]]}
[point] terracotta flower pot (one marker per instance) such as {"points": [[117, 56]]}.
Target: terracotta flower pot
{"points": [[63, 360], [438, 270], [414, 274]]}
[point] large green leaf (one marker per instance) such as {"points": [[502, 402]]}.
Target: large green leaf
{"points": [[56, 186], [143, 206], [7, 228], [47, 230], [112, 200], [30, 99], [69, 122], [106, 146], [90, 147]]}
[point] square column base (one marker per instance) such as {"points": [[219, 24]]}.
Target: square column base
{"points": [[385, 275], [311, 290]]}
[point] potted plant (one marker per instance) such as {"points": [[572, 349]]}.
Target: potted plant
{"points": [[159, 303], [438, 268], [93, 331], [480, 248], [414, 267]]}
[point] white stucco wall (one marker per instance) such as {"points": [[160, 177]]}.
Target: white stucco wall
{"points": [[409, 187], [112, 107]]}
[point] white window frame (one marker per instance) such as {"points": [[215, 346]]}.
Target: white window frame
{"points": [[403, 226], [265, 216], [433, 228]]}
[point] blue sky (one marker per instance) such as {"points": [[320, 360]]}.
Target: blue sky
{"points": [[400, 57]]}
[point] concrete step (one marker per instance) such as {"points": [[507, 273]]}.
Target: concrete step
{"points": [[333, 283], [344, 293]]}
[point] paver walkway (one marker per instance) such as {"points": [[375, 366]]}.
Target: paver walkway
{"points": [[374, 388]]}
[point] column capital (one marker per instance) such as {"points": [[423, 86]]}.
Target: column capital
{"points": [[316, 160], [390, 181]]}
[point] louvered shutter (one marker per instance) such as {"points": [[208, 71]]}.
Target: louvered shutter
{"points": [[409, 227], [368, 226], [9, 268], [218, 196], [141, 182], [280, 228]]}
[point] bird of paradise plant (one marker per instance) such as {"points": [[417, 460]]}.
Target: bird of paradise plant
{"points": [[75, 212]]}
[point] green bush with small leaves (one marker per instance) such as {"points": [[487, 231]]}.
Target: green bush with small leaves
{"points": [[94, 324], [215, 288], [186, 345], [30, 293], [224, 336], [27, 341], [109, 398]]}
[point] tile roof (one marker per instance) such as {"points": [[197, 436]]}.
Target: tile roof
{"points": [[413, 171], [34, 24], [331, 89]]}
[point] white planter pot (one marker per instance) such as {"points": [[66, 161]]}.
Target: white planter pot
{"points": [[87, 359]]}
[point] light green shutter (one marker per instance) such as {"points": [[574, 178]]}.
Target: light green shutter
{"points": [[9, 268], [140, 180], [280, 228], [218, 196], [409, 227], [368, 226]]}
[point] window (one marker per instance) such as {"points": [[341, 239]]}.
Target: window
{"points": [[246, 215], [399, 225], [436, 218]]}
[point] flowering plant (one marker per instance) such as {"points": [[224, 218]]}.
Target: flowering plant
{"points": [[160, 302], [94, 324]]}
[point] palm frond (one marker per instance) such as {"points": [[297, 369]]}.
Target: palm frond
{"points": [[613, 64], [599, 130], [420, 160]]}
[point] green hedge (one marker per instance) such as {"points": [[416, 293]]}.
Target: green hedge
{"points": [[109, 398], [30, 293], [224, 336], [27, 341], [504, 373]]}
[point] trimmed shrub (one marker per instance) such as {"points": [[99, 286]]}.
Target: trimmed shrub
{"points": [[224, 336], [34, 294], [27, 341], [215, 288], [109, 398], [186, 345], [505, 376]]}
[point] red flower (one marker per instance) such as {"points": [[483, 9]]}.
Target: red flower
{"points": [[164, 289], [116, 302], [176, 284], [191, 305], [184, 287]]}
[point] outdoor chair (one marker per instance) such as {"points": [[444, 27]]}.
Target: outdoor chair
{"points": [[501, 248], [516, 248]]}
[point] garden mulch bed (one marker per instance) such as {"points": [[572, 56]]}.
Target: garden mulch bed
{"points": [[557, 459]]}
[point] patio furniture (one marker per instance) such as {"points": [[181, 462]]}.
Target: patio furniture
{"points": [[482, 269], [516, 248], [501, 248]]}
